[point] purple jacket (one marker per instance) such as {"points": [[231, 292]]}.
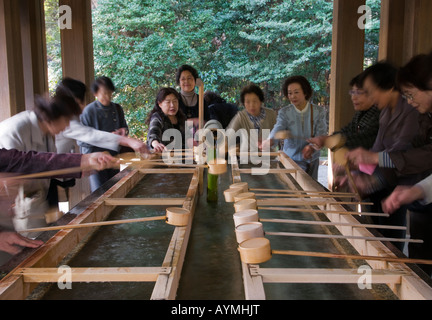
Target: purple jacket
{"points": [[14, 161], [397, 129], [418, 159]]}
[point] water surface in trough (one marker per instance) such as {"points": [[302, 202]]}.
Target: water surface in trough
{"points": [[212, 267]]}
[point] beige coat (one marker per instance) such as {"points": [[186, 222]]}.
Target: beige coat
{"points": [[242, 121]]}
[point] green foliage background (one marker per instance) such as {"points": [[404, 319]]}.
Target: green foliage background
{"points": [[141, 43]]}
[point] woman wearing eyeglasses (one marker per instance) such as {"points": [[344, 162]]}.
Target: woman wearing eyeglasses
{"points": [[415, 81], [361, 132], [398, 127]]}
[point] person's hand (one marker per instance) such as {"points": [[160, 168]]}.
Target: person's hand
{"points": [[12, 242], [338, 170], [158, 147], [265, 145], [364, 183], [9, 190], [121, 132], [135, 144], [318, 141], [362, 156], [98, 161], [402, 195], [340, 182], [308, 152]]}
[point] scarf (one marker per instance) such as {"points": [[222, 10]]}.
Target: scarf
{"points": [[258, 119], [190, 99]]}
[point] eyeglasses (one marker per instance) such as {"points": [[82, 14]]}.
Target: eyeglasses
{"points": [[408, 96], [356, 92]]}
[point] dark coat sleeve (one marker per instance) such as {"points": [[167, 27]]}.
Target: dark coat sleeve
{"points": [[155, 130], [14, 161], [414, 161], [417, 159], [122, 118], [362, 133]]}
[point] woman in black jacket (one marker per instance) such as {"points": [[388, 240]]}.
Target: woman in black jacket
{"points": [[166, 115], [186, 78]]}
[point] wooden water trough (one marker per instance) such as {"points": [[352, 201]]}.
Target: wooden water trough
{"points": [[399, 274], [300, 193], [44, 264]]}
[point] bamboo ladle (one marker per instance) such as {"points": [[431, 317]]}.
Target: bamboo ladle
{"points": [[258, 250], [178, 217]]}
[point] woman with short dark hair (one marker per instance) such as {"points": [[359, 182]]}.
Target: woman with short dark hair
{"points": [[398, 120], [415, 82], [398, 127], [186, 78], [362, 131], [105, 115], [302, 81], [304, 121], [66, 140]]}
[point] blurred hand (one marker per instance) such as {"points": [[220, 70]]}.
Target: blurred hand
{"points": [[362, 156], [318, 141], [121, 132], [338, 170], [135, 144], [308, 152], [363, 183], [11, 242], [8, 192], [98, 161], [158, 147], [402, 195], [266, 145]]}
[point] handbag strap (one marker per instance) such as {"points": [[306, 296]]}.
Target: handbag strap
{"points": [[312, 121]]}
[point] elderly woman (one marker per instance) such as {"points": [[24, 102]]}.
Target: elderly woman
{"points": [[303, 121], [398, 127], [415, 82], [362, 131], [164, 116], [255, 116]]}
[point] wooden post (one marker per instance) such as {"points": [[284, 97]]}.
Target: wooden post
{"points": [[405, 30], [77, 44], [11, 67], [418, 28], [22, 55], [38, 43], [347, 62], [78, 63], [391, 46]]}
